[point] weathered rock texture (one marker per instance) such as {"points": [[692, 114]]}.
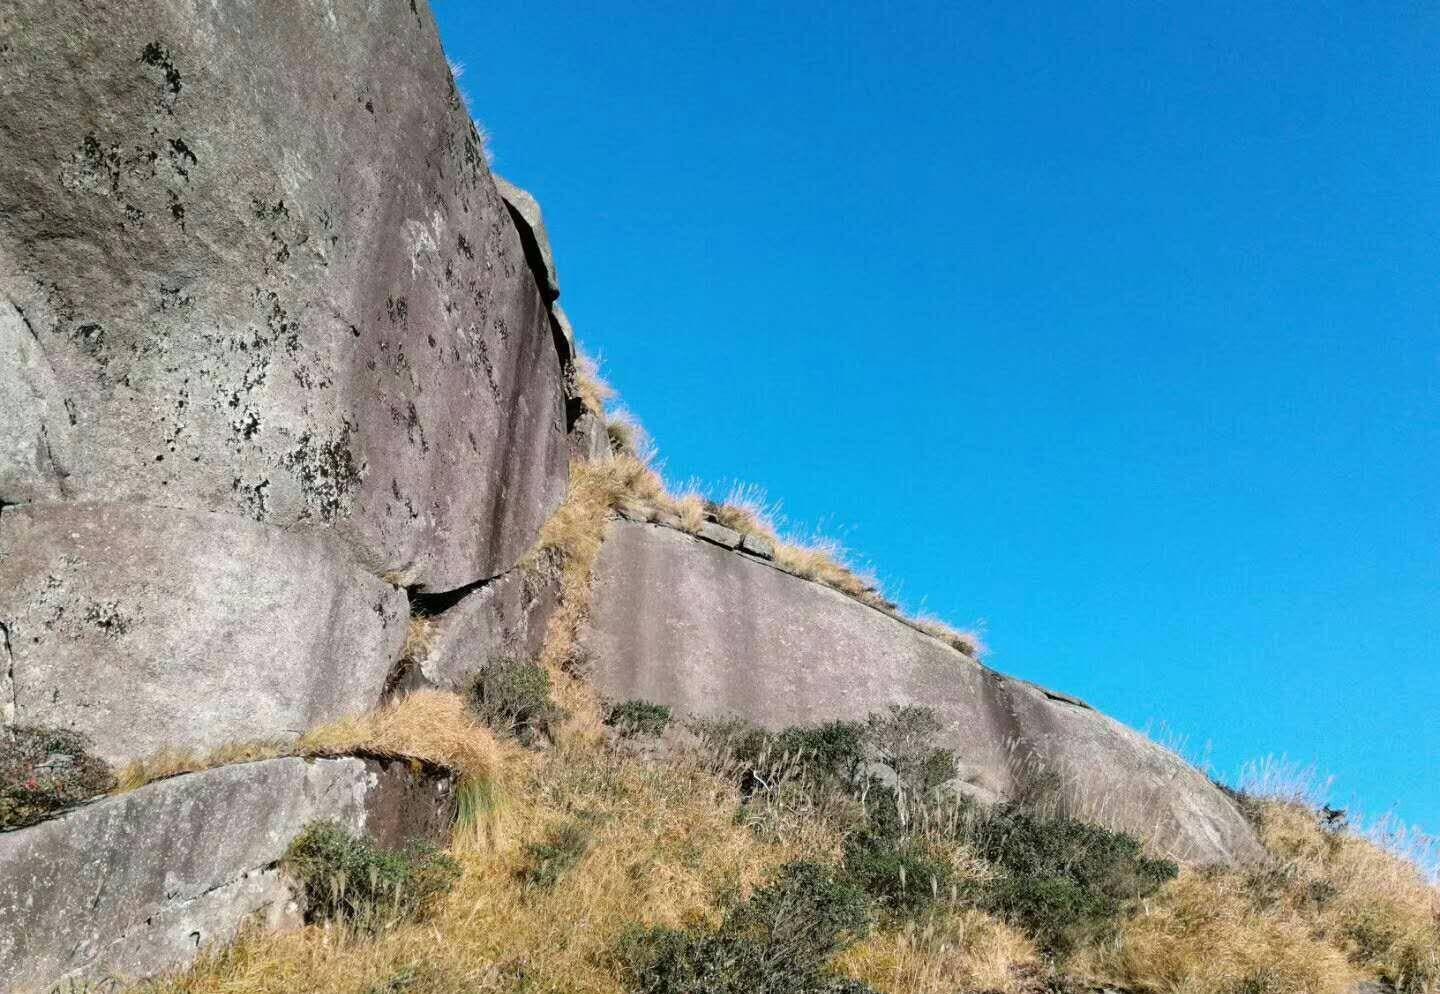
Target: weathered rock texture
{"points": [[267, 332], [147, 627], [690, 624], [135, 884], [252, 262], [504, 619]]}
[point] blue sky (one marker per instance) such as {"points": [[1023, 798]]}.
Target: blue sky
{"points": [[1117, 328]]}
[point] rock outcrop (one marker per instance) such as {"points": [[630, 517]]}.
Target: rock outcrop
{"points": [[282, 370], [147, 626], [686, 622], [264, 319], [135, 884]]}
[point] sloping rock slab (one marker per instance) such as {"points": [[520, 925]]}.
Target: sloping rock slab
{"points": [[147, 627], [136, 884], [525, 211], [688, 624], [252, 260], [504, 619]]}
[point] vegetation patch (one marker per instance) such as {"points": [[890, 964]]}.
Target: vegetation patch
{"points": [[350, 880], [778, 942], [1065, 882], [552, 856], [513, 698], [636, 717], [44, 771]]}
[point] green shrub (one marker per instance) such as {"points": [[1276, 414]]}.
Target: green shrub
{"points": [[44, 771], [902, 739], [636, 717], [896, 871], [841, 754], [1064, 881], [825, 756], [351, 880], [549, 860], [778, 942], [514, 698]]}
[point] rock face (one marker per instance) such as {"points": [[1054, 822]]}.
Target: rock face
{"points": [[136, 884], [690, 624], [506, 618], [148, 627], [525, 210], [268, 333], [252, 262]]}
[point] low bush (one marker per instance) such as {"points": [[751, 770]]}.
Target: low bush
{"points": [[514, 698], [350, 880], [897, 871], [44, 771], [902, 739], [1065, 882], [637, 717], [778, 942], [548, 860]]}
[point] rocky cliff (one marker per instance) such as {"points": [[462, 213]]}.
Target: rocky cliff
{"points": [[281, 366]]}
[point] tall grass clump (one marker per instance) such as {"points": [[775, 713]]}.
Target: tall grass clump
{"points": [[348, 879]]}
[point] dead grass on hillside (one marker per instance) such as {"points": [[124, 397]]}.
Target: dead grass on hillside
{"points": [[566, 553], [1202, 934], [590, 386], [1374, 905], [1334, 907], [664, 849], [420, 635], [427, 725], [965, 950], [967, 640]]}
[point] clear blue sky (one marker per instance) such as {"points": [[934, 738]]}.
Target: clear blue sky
{"points": [[1117, 329]]}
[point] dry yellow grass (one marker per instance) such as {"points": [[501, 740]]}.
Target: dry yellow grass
{"points": [[420, 634], [964, 950], [565, 554], [1332, 909], [664, 847], [428, 725], [966, 640], [1373, 905], [590, 385], [1202, 934]]}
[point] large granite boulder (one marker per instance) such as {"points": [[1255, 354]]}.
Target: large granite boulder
{"points": [[252, 261], [693, 625], [136, 884], [149, 627]]}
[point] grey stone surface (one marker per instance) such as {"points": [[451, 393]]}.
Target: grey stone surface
{"points": [[148, 627], [135, 884], [684, 623], [252, 261], [727, 537], [504, 619], [562, 321], [588, 439], [758, 545], [525, 210]]}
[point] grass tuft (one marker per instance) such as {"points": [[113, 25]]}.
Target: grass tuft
{"points": [[349, 880]]}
